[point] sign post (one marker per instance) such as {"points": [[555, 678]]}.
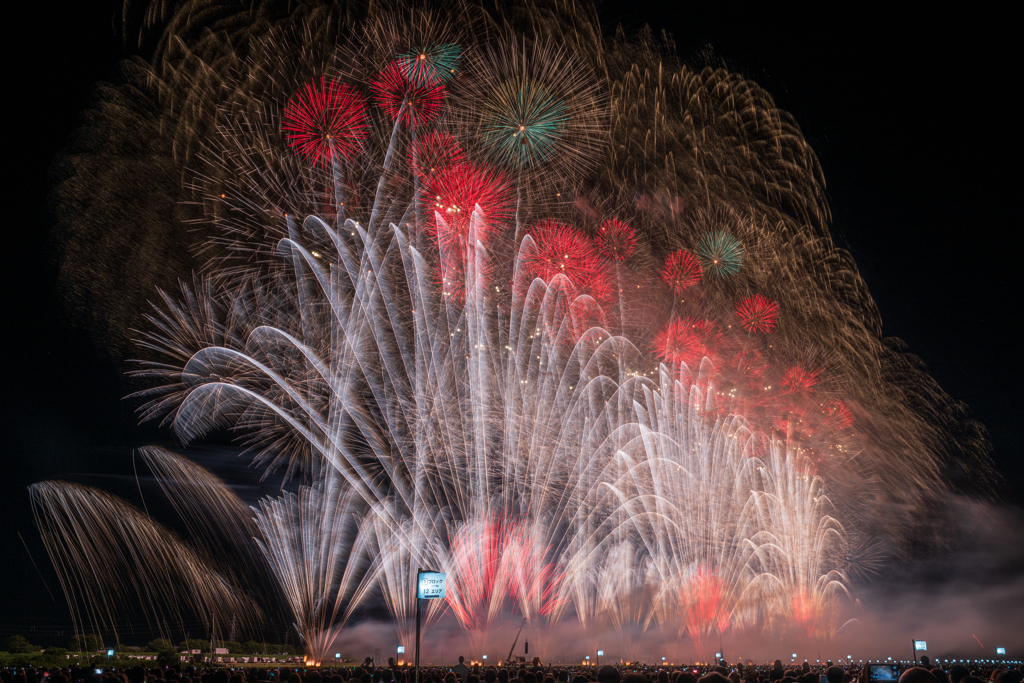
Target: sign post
{"points": [[429, 586], [599, 653], [919, 646]]}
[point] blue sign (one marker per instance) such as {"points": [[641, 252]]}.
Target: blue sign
{"points": [[431, 586], [920, 645], [401, 649]]}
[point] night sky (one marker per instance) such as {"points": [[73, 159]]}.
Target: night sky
{"points": [[910, 115]]}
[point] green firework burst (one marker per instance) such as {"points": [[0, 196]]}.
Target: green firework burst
{"points": [[435, 63], [523, 124], [721, 254]]}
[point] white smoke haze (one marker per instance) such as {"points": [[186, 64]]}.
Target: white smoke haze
{"points": [[973, 591]]}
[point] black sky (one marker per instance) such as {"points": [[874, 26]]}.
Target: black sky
{"points": [[910, 114]]}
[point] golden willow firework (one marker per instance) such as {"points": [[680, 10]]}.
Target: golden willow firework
{"points": [[537, 307]]}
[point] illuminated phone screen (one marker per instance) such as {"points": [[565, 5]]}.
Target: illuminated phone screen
{"points": [[883, 672]]}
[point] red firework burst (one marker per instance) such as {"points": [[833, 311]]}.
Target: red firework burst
{"points": [[758, 314], [435, 152], [677, 343], [799, 380], [616, 240], [453, 271], [453, 193], [563, 250], [682, 270], [408, 98], [837, 416], [325, 120]]}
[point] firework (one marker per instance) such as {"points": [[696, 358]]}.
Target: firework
{"points": [[837, 416], [319, 550], [413, 98], [682, 270], [437, 63], [454, 193], [721, 254], [119, 563], [539, 107], [326, 120], [758, 314], [616, 240], [523, 124], [561, 250], [677, 342], [799, 380]]}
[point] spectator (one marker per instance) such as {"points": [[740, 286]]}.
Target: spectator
{"points": [[917, 674], [461, 670], [608, 674]]}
